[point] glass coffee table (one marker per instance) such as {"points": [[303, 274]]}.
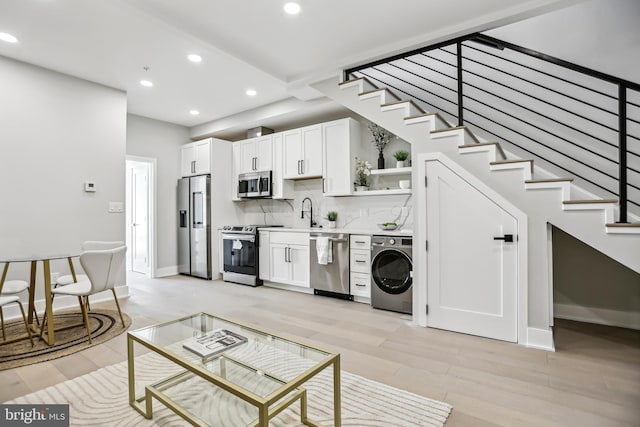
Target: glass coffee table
{"points": [[213, 371]]}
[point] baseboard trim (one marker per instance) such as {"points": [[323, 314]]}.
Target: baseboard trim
{"points": [[288, 287], [166, 271], [541, 339], [600, 316]]}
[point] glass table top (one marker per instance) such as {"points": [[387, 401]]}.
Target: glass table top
{"points": [[37, 256], [254, 360]]}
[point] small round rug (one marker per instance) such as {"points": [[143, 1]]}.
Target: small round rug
{"points": [[104, 325]]}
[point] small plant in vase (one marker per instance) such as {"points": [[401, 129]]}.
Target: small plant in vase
{"points": [[381, 137], [401, 156], [363, 170], [332, 216]]}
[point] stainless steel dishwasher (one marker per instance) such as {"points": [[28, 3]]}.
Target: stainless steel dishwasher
{"points": [[331, 279]]}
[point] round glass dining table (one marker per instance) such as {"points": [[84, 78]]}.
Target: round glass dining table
{"points": [[34, 258]]}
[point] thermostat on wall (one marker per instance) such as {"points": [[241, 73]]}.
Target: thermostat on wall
{"points": [[90, 187]]}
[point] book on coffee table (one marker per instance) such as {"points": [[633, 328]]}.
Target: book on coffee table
{"points": [[213, 342]]}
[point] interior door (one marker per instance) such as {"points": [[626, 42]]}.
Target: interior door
{"points": [[472, 278], [140, 219]]}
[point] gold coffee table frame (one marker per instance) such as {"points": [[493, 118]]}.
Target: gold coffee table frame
{"points": [[268, 406]]}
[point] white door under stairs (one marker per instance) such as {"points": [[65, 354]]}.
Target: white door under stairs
{"points": [[472, 278]]}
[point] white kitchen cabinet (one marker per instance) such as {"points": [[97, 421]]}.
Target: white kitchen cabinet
{"points": [[302, 152], [256, 154], [360, 266], [196, 158], [280, 187], [289, 258], [263, 255], [361, 285], [235, 170], [340, 139]]}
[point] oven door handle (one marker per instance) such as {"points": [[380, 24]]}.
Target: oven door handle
{"points": [[239, 237]]}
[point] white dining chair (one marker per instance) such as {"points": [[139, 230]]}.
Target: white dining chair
{"points": [[89, 245], [103, 268], [15, 288], [8, 295]]}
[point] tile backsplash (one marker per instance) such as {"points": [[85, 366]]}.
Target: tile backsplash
{"points": [[361, 213]]}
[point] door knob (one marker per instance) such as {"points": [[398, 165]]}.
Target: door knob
{"points": [[508, 238]]}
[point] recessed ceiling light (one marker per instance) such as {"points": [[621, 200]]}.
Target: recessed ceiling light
{"points": [[8, 38], [251, 92], [292, 8], [194, 112], [194, 58], [146, 83]]}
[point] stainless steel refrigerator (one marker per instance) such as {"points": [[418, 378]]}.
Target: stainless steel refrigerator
{"points": [[194, 226]]}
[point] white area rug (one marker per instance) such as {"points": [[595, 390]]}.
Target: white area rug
{"points": [[101, 399]]}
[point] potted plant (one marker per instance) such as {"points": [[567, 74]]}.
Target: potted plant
{"points": [[381, 138], [401, 156], [363, 170], [332, 216]]}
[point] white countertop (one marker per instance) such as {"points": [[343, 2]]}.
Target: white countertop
{"points": [[377, 232]]}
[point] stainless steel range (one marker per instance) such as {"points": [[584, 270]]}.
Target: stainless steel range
{"points": [[240, 253]]}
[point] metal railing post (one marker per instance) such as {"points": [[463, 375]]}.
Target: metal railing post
{"points": [[622, 150], [460, 104]]}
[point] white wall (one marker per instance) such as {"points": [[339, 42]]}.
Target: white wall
{"points": [[160, 140], [56, 133], [602, 35]]}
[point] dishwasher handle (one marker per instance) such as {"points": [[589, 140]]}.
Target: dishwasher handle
{"points": [[333, 240]]}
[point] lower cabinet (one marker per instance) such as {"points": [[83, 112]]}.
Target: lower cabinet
{"points": [[361, 285], [264, 263], [289, 258], [360, 265]]}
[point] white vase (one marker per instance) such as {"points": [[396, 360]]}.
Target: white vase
{"points": [[399, 163], [332, 224], [361, 188]]}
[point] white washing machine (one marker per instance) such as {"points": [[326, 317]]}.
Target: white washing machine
{"points": [[391, 273]]}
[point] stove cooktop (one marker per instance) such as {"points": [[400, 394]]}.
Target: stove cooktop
{"points": [[247, 229]]}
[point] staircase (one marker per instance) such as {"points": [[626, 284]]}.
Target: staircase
{"points": [[590, 220], [544, 198]]}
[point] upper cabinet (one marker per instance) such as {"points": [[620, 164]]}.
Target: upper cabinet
{"points": [[196, 158], [256, 154], [340, 139], [302, 152]]}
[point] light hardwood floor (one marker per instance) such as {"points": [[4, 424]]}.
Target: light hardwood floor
{"points": [[593, 378]]}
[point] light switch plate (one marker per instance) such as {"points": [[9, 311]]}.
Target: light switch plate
{"points": [[116, 207]]}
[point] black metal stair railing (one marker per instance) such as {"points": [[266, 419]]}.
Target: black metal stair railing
{"points": [[578, 120]]}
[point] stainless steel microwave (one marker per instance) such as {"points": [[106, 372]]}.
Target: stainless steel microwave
{"points": [[254, 185]]}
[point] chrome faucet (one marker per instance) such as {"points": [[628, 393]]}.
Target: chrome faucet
{"points": [[302, 211]]}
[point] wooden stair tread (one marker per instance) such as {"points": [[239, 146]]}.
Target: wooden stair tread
{"points": [[448, 129], [480, 144], [417, 116], [624, 224], [588, 201], [402, 102], [355, 80], [536, 181], [382, 89], [504, 162]]}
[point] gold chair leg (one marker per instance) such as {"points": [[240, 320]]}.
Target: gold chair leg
{"points": [[44, 318], [26, 324], [86, 317], [4, 332], [115, 297]]}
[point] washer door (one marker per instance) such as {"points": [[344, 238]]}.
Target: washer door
{"points": [[391, 271]]}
